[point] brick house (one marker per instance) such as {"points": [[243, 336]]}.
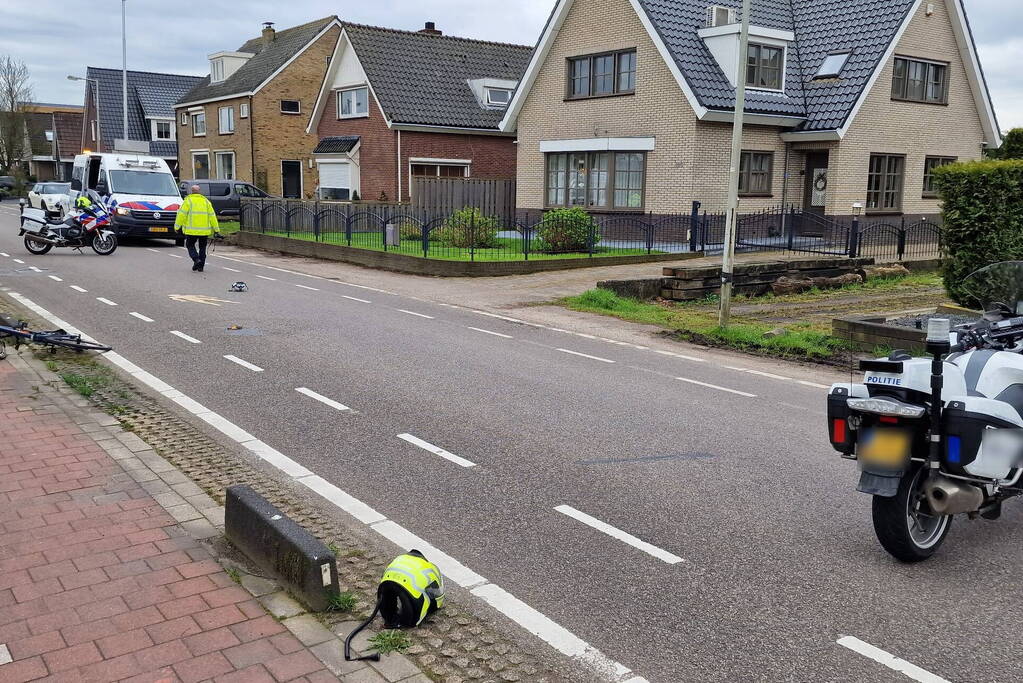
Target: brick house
{"points": [[151, 98], [627, 105], [400, 104], [248, 118], [53, 138]]}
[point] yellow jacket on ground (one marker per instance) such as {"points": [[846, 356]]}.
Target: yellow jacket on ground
{"points": [[197, 217]]}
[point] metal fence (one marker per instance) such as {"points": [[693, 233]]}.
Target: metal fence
{"points": [[472, 234]]}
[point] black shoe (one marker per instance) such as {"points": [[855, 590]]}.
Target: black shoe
{"points": [[195, 265], [200, 266]]}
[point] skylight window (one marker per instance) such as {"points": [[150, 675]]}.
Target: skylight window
{"points": [[833, 65]]}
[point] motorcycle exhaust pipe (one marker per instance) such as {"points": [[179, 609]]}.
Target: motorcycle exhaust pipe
{"points": [[40, 238], [949, 497]]}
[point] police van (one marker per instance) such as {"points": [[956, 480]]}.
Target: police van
{"points": [[139, 191]]}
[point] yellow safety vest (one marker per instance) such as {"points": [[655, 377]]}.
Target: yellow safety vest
{"points": [[416, 575], [196, 217]]}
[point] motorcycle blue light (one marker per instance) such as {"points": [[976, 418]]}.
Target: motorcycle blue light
{"points": [[955, 446]]}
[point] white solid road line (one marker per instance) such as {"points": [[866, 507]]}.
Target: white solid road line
{"points": [[426, 446], [890, 660], [714, 386], [323, 399], [108, 302], [496, 334], [264, 277], [421, 315], [603, 667], [141, 317], [622, 536], [306, 287], [586, 355], [679, 355], [362, 301], [233, 270], [78, 289], [243, 363], [55, 278], [184, 336]]}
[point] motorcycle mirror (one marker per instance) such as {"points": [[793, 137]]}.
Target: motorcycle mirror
{"points": [[101, 188]]}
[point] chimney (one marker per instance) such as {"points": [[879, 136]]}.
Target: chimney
{"points": [[269, 34], [431, 29]]}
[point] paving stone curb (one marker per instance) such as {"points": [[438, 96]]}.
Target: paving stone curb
{"points": [[178, 460]]}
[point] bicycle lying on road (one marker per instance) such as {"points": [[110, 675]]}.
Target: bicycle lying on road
{"points": [[18, 330]]}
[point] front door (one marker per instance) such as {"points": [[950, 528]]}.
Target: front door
{"points": [[291, 179], [815, 197]]}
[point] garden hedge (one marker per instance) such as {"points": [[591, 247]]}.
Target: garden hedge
{"points": [[983, 219]]}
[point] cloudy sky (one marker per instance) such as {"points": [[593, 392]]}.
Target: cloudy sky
{"points": [[56, 37]]}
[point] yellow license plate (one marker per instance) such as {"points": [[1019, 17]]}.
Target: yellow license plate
{"points": [[885, 448], [159, 229]]}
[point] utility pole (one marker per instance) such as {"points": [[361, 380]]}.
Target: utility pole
{"points": [[728, 259], [124, 72]]}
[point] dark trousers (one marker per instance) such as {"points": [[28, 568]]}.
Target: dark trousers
{"points": [[198, 256]]}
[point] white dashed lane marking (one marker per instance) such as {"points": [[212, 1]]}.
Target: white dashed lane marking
{"points": [[436, 450], [176, 255], [79, 289], [421, 315], [586, 355], [233, 270], [243, 363], [323, 399], [184, 336], [141, 317], [33, 268], [715, 386], [496, 334], [5, 254], [889, 660], [108, 302], [361, 301], [18, 260], [55, 278], [264, 277], [624, 537], [306, 287]]}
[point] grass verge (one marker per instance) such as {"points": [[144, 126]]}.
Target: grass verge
{"points": [[390, 641], [701, 326]]}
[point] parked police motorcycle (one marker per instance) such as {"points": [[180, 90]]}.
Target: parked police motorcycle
{"points": [[87, 225], [941, 436]]}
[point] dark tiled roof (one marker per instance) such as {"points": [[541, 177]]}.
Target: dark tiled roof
{"points": [[156, 102], [337, 144], [163, 148], [267, 60], [109, 81], [866, 27], [69, 133], [423, 78], [38, 124]]}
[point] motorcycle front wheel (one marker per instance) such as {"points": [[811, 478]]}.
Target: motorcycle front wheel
{"points": [[104, 245], [905, 525], [37, 248]]}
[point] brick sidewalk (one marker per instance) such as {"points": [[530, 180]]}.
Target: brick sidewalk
{"points": [[98, 582]]}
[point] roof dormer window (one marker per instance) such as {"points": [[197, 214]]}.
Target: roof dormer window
{"points": [[216, 70], [832, 65], [765, 66], [498, 97]]}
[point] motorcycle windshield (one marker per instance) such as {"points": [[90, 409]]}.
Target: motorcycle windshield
{"points": [[996, 286]]}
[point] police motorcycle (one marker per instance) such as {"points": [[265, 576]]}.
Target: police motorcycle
{"points": [[941, 436], [87, 225]]}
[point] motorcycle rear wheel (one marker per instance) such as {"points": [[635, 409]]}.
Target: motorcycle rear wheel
{"points": [[36, 248], [104, 245], [905, 525]]}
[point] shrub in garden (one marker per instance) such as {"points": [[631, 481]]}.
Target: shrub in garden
{"points": [[566, 230], [410, 230], [983, 219], [468, 228]]}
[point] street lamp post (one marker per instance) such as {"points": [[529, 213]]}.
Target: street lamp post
{"points": [[95, 97], [728, 259]]}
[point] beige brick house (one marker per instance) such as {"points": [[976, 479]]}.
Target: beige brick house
{"points": [[247, 120], [627, 105]]}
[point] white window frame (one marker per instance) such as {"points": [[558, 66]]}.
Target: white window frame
{"points": [[490, 101], [184, 118], [291, 113], [319, 170], [234, 169], [92, 129], [833, 73], [345, 91], [196, 153], [466, 165], [154, 125], [220, 120], [49, 135], [216, 70], [243, 110], [195, 124]]}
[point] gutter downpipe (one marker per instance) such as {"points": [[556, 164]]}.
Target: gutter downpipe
{"points": [[399, 167]]}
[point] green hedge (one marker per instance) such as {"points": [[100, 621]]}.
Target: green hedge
{"points": [[983, 218]]}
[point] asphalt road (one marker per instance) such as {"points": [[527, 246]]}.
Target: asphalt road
{"points": [[756, 553]]}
